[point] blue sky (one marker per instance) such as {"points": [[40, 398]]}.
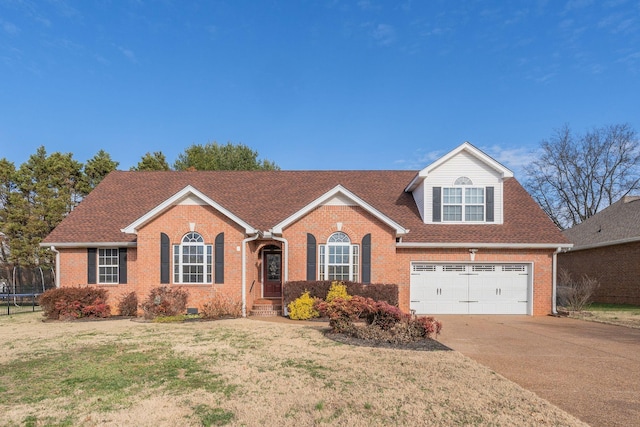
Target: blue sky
{"points": [[324, 84]]}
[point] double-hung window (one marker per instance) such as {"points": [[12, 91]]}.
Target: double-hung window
{"points": [[108, 265], [339, 259], [192, 260], [463, 203]]}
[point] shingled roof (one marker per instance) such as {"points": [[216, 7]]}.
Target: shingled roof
{"points": [[266, 198], [618, 223]]}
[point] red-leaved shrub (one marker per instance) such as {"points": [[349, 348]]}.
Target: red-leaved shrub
{"points": [[165, 301], [382, 321], [74, 303], [128, 304]]}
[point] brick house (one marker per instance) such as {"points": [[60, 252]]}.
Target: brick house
{"points": [[459, 236], [607, 247]]}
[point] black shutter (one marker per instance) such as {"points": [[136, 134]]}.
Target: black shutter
{"points": [[92, 254], [489, 205], [165, 258], [437, 191], [366, 259], [219, 255], [122, 266], [311, 257]]}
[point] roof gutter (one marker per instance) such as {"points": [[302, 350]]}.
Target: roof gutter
{"points": [[418, 245], [91, 245]]}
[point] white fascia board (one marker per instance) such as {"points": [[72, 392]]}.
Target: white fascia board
{"points": [[466, 146], [470, 245], [339, 189], [91, 245], [188, 190]]}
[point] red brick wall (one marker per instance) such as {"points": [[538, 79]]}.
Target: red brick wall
{"points": [[387, 265], [617, 268], [356, 223]]}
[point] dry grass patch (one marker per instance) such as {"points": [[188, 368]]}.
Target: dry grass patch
{"points": [[242, 372], [615, 314]]}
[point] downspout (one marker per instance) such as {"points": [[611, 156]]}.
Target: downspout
{"points": [[244, 272], [57, 275], [554, 268]]}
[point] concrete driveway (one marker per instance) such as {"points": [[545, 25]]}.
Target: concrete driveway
{"points": [[591, 370]]}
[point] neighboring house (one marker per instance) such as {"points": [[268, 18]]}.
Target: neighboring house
{"points": [[607, 248], [460, 236]]}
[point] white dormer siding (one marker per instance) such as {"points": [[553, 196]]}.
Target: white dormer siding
{"points": [[466, 161]]}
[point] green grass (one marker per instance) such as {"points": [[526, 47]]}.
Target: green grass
{"points": [[213, 416], [110, 371], [596, 306]]}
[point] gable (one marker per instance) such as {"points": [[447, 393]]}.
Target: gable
{"points": [[464, 169], [187, 196], [338, 196]]}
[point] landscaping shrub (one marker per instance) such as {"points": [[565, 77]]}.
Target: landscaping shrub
{"points": [[165, 301], [74, 303], [128, 304], [221, 306], [320, 289], [382, 321], [573, 294], [303, 308], [337, 290]]}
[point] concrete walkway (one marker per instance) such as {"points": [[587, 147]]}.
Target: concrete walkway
{"points": [[591, 370]]}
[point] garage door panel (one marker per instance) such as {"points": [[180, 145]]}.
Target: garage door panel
{"points": [[470, 289]]}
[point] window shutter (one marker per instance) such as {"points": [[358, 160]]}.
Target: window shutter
{"points": [[311, 257], [165, 257], [122, 266], [437, 191], [219, 256], [489, 205], [92, 255], [366, 259]]}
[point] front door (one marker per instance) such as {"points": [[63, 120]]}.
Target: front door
{"points": [[272, 275]]}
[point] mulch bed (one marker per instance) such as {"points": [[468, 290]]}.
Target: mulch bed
{"points": [[422, 345]]}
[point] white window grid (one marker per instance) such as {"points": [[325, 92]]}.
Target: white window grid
{"points": [[192, 260], [108, 265]]}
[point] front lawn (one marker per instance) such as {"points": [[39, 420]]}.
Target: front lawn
{"points": [[241, 372]]}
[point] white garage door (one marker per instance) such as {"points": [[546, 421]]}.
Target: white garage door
{"points": [[469, 288]]}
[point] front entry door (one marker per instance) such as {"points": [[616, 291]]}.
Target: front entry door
{"points": [[272, 275]]}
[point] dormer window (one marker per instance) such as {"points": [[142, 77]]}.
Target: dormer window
{"points": [[463, 202]]}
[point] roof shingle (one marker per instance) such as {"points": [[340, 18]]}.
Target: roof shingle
{"points": [[265, 198]]}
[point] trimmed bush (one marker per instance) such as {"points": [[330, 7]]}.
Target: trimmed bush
{"points": [[165, 301], [382, 321], [128, 304], [337, 290], [320, 289], [303, 308], [221, 306], [74, 303]]}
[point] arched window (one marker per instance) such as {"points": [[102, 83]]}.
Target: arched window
{"points": [[192, 260], [339, 259], [463, 180]]}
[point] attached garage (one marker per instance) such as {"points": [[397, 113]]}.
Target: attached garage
{"points": [[470, 288]]}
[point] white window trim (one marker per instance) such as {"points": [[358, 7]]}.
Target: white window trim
{"points": [[101, 258], [463, 205], [354, 259], [207, 261]]}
